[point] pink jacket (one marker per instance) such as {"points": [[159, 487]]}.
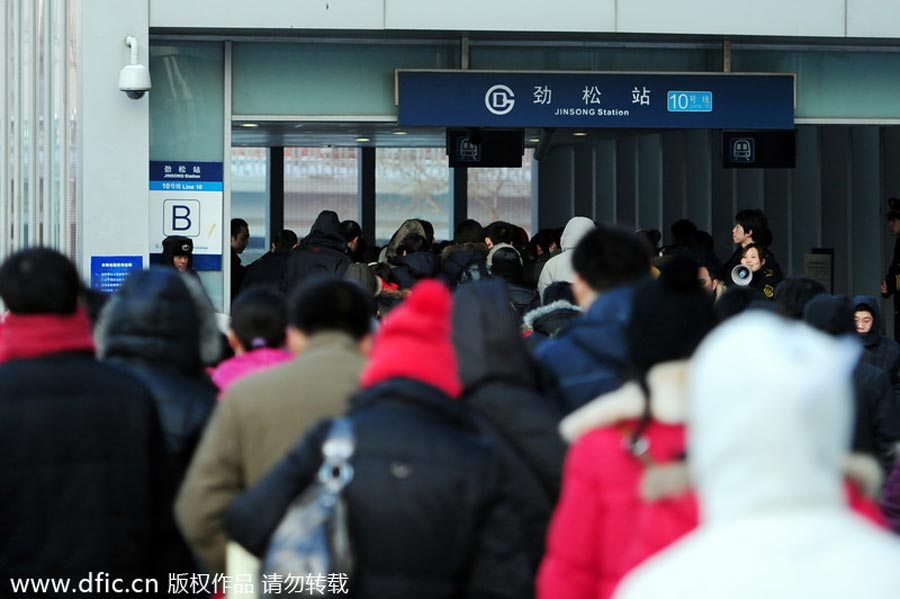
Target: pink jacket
{"points": [[616, 510], [236, 368]]}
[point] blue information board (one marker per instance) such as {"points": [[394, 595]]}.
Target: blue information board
{"points": [[595, 100], [109, 272]]}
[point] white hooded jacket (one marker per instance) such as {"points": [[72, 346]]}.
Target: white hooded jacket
{"points": [[559, 267], [766, 459]]}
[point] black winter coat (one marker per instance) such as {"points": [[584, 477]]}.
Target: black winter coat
{"points": [[499, 384], [428, 514], [876, 428], [880, 351], [455, 257], [412, 268], [152, 329], [84, 485], [323, 251], [268, 271]]}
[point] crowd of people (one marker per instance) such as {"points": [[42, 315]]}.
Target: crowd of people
{"points": [[584, 413]]}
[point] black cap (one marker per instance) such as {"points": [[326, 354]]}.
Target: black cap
{"points": [[893, 209]]}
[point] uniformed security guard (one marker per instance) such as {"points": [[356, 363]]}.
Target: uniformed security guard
{"points": [[890, 286]]}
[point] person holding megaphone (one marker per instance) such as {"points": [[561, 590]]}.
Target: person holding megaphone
{"points": [[753, 271]]}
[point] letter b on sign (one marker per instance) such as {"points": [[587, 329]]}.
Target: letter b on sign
{"points": [[181, 217]]}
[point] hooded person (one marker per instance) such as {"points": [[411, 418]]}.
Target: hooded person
{"points": [[766, 460], [160, 327], [392, 249], [557, 313], [880, 351], [500, 385], [612, 517], [559, 267], [877, 417], [504, 262], [427, 505], [414, 262], [468, 246], [323, 251]]}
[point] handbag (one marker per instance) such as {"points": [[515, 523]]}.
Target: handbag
{"points": [[310, 551]]}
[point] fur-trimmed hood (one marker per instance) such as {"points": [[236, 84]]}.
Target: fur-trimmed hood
{"points": [[534, 315], [667, 383]]}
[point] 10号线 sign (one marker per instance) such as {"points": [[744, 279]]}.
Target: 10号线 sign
{"points": [[595, 100], [186, 199]]}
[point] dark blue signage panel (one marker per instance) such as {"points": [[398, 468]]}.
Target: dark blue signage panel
{"points": [[185, 176], [109, 272], [595, 100]]}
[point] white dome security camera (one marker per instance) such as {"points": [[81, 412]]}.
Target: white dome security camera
{"points": [[134, 79]]}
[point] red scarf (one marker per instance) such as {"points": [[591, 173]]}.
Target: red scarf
{"points": [[33, 335]]}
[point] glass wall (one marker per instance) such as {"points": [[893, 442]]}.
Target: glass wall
{"points": [[250, 197], [39, 126], [317, 179], [411, 183], [502, 194]]}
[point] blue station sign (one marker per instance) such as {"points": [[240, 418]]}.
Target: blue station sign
{"points": [[595, 100]]}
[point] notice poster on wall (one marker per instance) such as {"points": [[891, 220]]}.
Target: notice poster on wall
{"points": [[108, 273], [818, 265], [186, 199]]}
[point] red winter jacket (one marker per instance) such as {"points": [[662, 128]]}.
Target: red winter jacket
{"points": [[604, 525], [615, 510]]}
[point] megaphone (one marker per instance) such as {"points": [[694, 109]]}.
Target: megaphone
{"points": [[741, 275]]}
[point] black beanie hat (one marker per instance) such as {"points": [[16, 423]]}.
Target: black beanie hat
{"points": [[671, 315]]}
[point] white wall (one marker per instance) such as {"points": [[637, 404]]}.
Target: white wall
{"points": [[741, 17], [873, 18], [800, 18], [114, 139], [502, 15], [268, 14]]}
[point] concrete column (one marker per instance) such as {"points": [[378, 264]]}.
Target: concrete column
{"points": [[806, 201], [698, 178], [584, 178], [750, 185], [626, 181], [724, 199], [650, 182], [556, 185], [867, 220], [605, 180], [778, 184], [674, 197], [367, 193], [112, 185], [836, 200]]}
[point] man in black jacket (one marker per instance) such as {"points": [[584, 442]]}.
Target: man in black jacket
{"points": [[84, 486], [323, 251], [269, 270]]}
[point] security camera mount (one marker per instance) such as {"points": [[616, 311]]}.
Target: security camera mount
{"points": [[134, 79]]}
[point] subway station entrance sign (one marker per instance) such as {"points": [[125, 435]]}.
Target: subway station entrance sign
{"points": [[595, 100]]}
